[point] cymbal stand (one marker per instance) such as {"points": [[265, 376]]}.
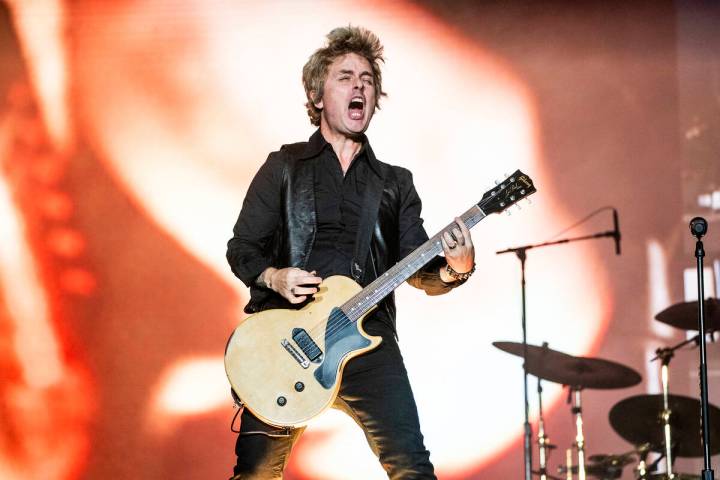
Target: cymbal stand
{"points": [[665, 356], [543, 445], [576, 394], [569, 465], [642, 470]]}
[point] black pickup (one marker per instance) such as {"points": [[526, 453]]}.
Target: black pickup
{"points": [[306, 344]]}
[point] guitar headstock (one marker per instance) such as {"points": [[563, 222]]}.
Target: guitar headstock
{"points": [[507, 193]]}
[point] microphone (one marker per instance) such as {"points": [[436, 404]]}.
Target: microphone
{"points": [[616, 232], [698, 227]]}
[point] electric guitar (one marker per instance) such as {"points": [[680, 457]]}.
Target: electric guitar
{"points": [[286, 365]]}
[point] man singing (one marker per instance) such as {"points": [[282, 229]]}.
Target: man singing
{"points": [[328, 207]]}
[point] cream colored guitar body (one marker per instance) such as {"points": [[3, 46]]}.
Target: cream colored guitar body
{"points": [[269, 361]]}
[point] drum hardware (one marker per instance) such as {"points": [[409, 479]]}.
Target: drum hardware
{"points": [[543, 441], [576, 394], [663, 423], [638, 420], [665, 355], [577, 373], [604, 467], [536, 473], [569, 463], [642, 470], [521, 253]]}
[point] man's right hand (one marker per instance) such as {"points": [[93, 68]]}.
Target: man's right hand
{"points": [[293, 283]]}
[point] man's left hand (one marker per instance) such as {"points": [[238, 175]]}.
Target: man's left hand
{"points": [[458, 248]]}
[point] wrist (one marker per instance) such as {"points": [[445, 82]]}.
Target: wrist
{"points": [[265, 279], [458, 276]]}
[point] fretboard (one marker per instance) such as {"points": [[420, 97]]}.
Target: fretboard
{"points": [[381, 287]]}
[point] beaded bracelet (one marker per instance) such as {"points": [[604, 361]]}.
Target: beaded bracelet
{"points": [[457, 275]]}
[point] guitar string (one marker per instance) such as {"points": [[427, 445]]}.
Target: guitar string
{"points": [[412, 263], [473, 216], [432, 246]]}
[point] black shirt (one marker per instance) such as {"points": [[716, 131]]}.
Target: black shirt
{"points": [[338, 203]]}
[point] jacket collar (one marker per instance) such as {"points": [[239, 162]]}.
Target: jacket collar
{"points": [[317, 143]]}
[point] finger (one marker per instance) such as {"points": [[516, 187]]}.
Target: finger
{"points": [[458, 236], [449, 241], [446, 250], [298, 276], [294, 296], [297, 272], [296, 299], [297, 291], [309, 280], [465, 231]]}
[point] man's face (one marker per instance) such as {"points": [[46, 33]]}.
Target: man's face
{"points": [[348, 101]]}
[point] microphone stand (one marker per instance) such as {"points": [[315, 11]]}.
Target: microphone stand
{"points": [[520, 252], [698, 227]]}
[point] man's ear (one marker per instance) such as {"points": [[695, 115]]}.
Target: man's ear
{"points": [[318, 103]]}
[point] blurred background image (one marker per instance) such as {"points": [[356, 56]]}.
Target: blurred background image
{"points": [[129, 133]]}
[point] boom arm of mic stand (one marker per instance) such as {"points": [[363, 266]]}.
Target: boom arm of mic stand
{"points": [[524, 248]]}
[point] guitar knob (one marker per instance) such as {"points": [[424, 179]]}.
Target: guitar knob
{"points": [[299, 386], [282, 401]]}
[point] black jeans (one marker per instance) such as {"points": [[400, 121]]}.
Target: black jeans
{"points": [[376, 393]]}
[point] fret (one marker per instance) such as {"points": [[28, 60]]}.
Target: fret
{"points": [[381, 287], [507, 193]]}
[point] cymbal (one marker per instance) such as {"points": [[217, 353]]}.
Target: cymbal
{"points": [[638, 420], [578, 372], [685, 315]]}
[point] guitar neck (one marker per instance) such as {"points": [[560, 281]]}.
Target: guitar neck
{"points": [[361, 303]]}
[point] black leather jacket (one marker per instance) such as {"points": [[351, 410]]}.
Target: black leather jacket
{"points": [[276, 226]]}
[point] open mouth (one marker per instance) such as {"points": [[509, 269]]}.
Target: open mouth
{"points": [[356, 107]]}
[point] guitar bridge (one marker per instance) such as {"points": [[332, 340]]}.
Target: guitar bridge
{"points": [[294, 353]]}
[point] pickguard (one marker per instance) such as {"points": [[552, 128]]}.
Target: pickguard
{"points": [[341, 337]]}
